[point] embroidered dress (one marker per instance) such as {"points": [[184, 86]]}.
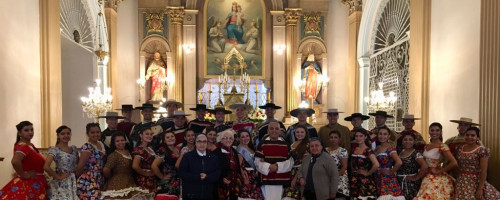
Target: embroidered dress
{"points": [[339, 154], [362, 186], [436, 186], [147, 158], [468, 178], [121, 184], [250, 190], [293, 192], [65, 163], [33, 188], [387, 185], [409, 167], [172, 186], [91, 181]]}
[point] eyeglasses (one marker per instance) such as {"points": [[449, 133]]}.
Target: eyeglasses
{"points": [[201, 141], [227, 138]]}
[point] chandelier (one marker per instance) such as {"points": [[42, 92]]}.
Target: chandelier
{"points": [[97, 102], [101, 34], [378, 101]]}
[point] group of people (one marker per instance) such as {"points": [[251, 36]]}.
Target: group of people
{"points": [[174, 159]]}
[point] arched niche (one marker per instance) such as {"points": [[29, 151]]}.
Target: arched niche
{"points": [[149, 46]]}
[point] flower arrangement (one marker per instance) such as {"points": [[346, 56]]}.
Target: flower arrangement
{"points": [[210, 117], [257, 116]]}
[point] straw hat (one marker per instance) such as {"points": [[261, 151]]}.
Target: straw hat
{"points": [[465, 120]]}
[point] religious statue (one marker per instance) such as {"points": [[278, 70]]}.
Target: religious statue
{"points": [[156, 74], [310, 73]]}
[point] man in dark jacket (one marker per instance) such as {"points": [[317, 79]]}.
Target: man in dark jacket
{"points": [[199, 171]]}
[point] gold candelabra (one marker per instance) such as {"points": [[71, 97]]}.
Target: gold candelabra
{"points": [[97, 102]]}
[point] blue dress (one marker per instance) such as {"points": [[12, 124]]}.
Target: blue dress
{"points": [[65, 163]]}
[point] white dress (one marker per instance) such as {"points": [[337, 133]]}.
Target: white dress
{"points": [[65, 163]]}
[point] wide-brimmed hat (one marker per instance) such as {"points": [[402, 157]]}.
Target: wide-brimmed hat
{"points": [[178, 113], [172, 101], [410, 116], [296, 111], [354, 115], [333, 110], [219, 109], [270, 105], [236, 105], [381, 113], [199, 107], [146, 105], [126, 107], [111, 115], [465, 120]]}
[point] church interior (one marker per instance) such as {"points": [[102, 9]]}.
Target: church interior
{"points": [[69, 61]]}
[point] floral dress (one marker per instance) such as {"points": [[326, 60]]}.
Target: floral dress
{"points": [[436, 186], [65, 163], [409, 167], [470, 169], [147, 158], [362, 186], [172, 186], [90, 183], [289, 191], [33, 188], [250, 190], [387, 185], [339, 154]]}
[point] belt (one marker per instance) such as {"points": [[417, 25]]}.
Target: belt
{"points": [[404, 182]]}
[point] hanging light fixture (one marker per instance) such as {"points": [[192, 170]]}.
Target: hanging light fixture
{"points": [[378, 101], [101, 34]]}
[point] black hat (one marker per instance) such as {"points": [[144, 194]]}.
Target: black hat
{"points": [[111, 115], [296, 111], [126, 107], [219, 109], [146, 105], [381, 113], [270, 105], [199, 107], [354, 115]]}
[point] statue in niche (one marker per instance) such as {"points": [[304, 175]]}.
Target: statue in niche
{"points": [[76, 36], [156, 74], [310, 73]]}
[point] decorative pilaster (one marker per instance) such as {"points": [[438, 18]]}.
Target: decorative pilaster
{"points": [[489, 93], [112, 4], [50, 69], [279, 61], [112, 67], [292, 17], [419, 70], [190, 69], [355, 14], [176, 16]]}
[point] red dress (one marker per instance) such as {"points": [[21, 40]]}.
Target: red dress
{"points": [[33, 188]]}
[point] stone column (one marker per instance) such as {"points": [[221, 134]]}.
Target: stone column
{"points": [[292, 16], [176, 16], [50, 69], [279, 61], [420, 23], [110, 12], [190, 69], [489, 86], [355, 7]]}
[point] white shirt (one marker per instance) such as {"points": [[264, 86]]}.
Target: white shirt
{"points": [[201, 154]]}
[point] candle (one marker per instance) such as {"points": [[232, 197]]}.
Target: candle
{"points": [[199, 97], [209, 87], [269, 96], [255, 87]]}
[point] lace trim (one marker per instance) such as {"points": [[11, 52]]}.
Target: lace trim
{"points": [[122, 192]]}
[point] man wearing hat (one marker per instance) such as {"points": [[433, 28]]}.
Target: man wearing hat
{"points": [[301, 114], [126, 124], [380, 118], [463, 124], [199, 124], [147, 121], [220, 113], [270, 110], [408, 123], [112, 122], [179, 127], [242, 121], [171, 106], [324, 132], [356, 120]]}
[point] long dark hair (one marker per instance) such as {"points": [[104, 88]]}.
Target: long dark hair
{"points": [[437, 124], [368, 142], [140, 140], [112, 145], [167, 150], [383, 128], [184, 143], [475, 129], [59, 130], [20, 127], [90, 125], [250, 143], [301, 149], [407, 133]]}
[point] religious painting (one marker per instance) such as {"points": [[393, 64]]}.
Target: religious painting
{"points": [[233, 25], [312, 24], [155, 23]]}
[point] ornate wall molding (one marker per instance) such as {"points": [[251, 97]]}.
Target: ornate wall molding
{"points": [[77, 23], [175, 14], [353, 5], [112, 4], [292, 16]]}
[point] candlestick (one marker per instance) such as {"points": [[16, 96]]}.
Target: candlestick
{"points": [[199, 98]]}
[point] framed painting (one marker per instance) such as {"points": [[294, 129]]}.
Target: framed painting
{"points": [[234, 26]]}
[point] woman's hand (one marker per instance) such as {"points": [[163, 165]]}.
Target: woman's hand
{"points": [[363, 172], [61, 176], [294, 183], [479, 193], [28, 174], [244, 174], [436, 170], [226, 181], [167, 177], [302, 182]]}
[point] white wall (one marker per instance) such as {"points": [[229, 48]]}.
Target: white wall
{"points": [[128, 53], [77, 71], [337, 44], [20, 71], [454, 74]]}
